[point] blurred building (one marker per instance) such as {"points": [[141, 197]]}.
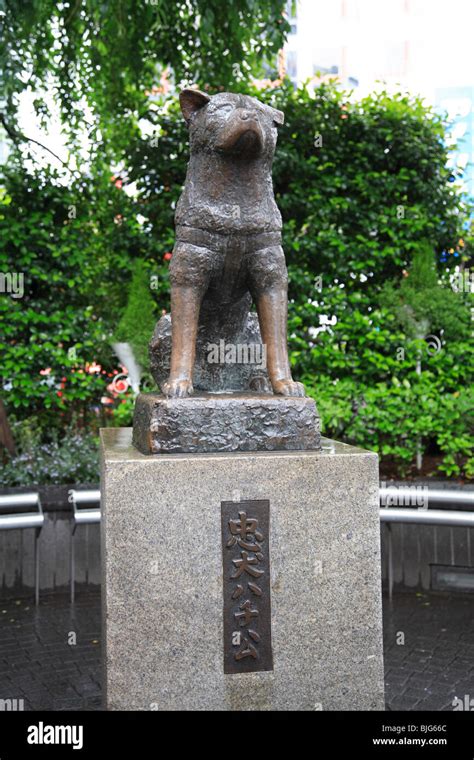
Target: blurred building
{"points": [[423, 46]]}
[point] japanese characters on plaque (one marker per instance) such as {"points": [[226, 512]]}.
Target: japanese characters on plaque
{"points": [[246, 565]]}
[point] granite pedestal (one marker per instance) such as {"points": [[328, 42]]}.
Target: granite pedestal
{"points": [[163, 593]]}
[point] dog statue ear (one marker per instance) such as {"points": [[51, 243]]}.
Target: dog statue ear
{"points": [[275, 115], [191, 101], [278, 116]]}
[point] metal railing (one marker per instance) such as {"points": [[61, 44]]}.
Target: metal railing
{"points": [[450, 517], [423, 515], [82, 515], [14, 517]]}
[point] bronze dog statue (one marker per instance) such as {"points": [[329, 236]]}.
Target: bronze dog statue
{"points": [[228, 240]]}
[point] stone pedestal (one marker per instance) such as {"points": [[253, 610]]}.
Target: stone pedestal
{"points": [[216, 422], [170, 583]]}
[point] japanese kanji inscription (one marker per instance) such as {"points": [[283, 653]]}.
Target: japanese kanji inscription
{"points": [[246, 565]]}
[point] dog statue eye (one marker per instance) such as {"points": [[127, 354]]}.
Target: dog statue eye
{"points": [[225, 108]]}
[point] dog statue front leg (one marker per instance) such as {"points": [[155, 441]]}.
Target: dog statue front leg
{"points": [[272, 309], [185, 307]]}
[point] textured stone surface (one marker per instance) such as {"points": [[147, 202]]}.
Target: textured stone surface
{"points": [[215, 376], [224, 422], [162, 578]]}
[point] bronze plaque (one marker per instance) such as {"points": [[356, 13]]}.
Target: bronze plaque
{"points": [[247, 608]]}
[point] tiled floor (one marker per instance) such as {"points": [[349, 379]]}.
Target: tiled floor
{"points": [[435, 664], [50, 656]]}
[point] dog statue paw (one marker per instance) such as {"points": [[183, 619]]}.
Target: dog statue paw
{"points": [[288, 388], [177, 388]]}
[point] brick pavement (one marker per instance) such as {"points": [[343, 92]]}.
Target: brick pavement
{"points": [[435, 664], [39, 661], [50, 656]]}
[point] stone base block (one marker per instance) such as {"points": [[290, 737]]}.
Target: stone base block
{"points": [[213, 422], [179, 541]]}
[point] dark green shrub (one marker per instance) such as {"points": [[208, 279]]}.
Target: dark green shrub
{"points": [[139, 318]]}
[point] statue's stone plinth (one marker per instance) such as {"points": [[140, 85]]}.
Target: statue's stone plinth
{"points": [[169, 570], [213, 422]]}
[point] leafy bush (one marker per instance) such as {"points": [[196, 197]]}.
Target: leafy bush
{"points": [[75, 247], [73, 458], [372, 205], [139, 319]]}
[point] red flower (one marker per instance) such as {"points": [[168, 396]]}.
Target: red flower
{"points": [[167, 256]]}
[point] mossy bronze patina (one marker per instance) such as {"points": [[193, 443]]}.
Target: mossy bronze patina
{"points": [[227, 254]]}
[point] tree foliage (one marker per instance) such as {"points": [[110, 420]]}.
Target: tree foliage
{"points": [[105, 58]]}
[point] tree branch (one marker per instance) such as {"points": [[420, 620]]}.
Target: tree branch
{"points": [[72, 12], [19, 137]]}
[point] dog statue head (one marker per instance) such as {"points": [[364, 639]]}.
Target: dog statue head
{"points": [[230, 124]]}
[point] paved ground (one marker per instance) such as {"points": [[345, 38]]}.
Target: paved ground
{"points": [[50, 656], [435, 664], [39, 661]]}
